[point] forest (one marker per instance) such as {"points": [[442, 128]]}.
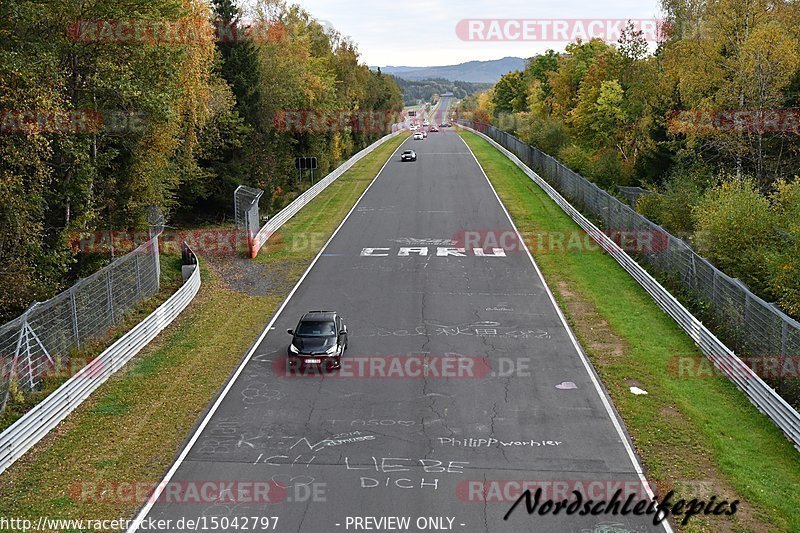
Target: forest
{"points": [[111, 106], [707, 119], [416, 90]]}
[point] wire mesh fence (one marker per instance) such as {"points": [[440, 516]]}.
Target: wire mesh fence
{"points": [[751, 326], [43, 417], [40, 342]]}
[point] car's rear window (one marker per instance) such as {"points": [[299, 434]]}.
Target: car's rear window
{"points": [[316, 328]]}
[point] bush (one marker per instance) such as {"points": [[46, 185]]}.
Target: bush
{"points": [[548, 134], [785, 280], [608, 170], [604, 168], [577, 158], [509, 122], [651, 206], [672, 207], [481, 115], [736, 231]]}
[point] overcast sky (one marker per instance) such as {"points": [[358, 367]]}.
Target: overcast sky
{"points": [[423, 32]]}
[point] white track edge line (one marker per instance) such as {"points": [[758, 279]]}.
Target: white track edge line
{"points": [[171, 472], [600, 391]]}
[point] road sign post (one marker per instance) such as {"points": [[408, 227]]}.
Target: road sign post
{"points": [[305, 163]]}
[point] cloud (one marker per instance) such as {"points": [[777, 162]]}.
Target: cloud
{"points": [[422, 32]]}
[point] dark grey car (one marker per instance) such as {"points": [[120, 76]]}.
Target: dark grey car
{"points": [[319, 340]]}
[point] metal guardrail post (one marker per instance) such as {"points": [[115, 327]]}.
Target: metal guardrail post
{"points": [[138, 277], [714, 284], [746, 307], [73, 311], [22, 338], [110, 296], [20, 341], [784, 338], [157, 259], [6, 394], [692, 270], [23, 347], [154, 234]]}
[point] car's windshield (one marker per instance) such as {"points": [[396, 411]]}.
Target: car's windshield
{"points": [[316, 328]]}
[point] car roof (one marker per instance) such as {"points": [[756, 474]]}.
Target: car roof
{"points": [[319, 315]]}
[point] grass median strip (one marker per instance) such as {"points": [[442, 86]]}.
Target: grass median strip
{"points": [[130, 430], [697, 435]]}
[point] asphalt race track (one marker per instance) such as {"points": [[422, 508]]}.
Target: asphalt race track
{"points": [[385, 438]]}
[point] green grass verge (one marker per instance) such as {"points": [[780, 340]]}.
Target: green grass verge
{"points": [[132, 427], [697, 436]]}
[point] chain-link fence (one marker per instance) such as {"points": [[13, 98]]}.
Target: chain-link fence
{"points": [[749, 325], [39, 342], [42, 418]]}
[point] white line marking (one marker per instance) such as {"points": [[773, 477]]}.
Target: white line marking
{"points": [[162, 485], [603, 397]]}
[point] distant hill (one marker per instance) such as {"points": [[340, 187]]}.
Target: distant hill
{"points": [[472, 71]]}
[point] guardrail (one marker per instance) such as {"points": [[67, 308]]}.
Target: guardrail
{"points": [[36, 423], [290, 210], [758, 392]]}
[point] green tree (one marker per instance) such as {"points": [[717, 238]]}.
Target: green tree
{"points": [[510, 94], [737, 56], [539, 69], [573, 65], [155, 97]]}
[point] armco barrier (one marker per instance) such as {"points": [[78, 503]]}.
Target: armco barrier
{"points": [[760, 394], [290, 210], [37, 422]]}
